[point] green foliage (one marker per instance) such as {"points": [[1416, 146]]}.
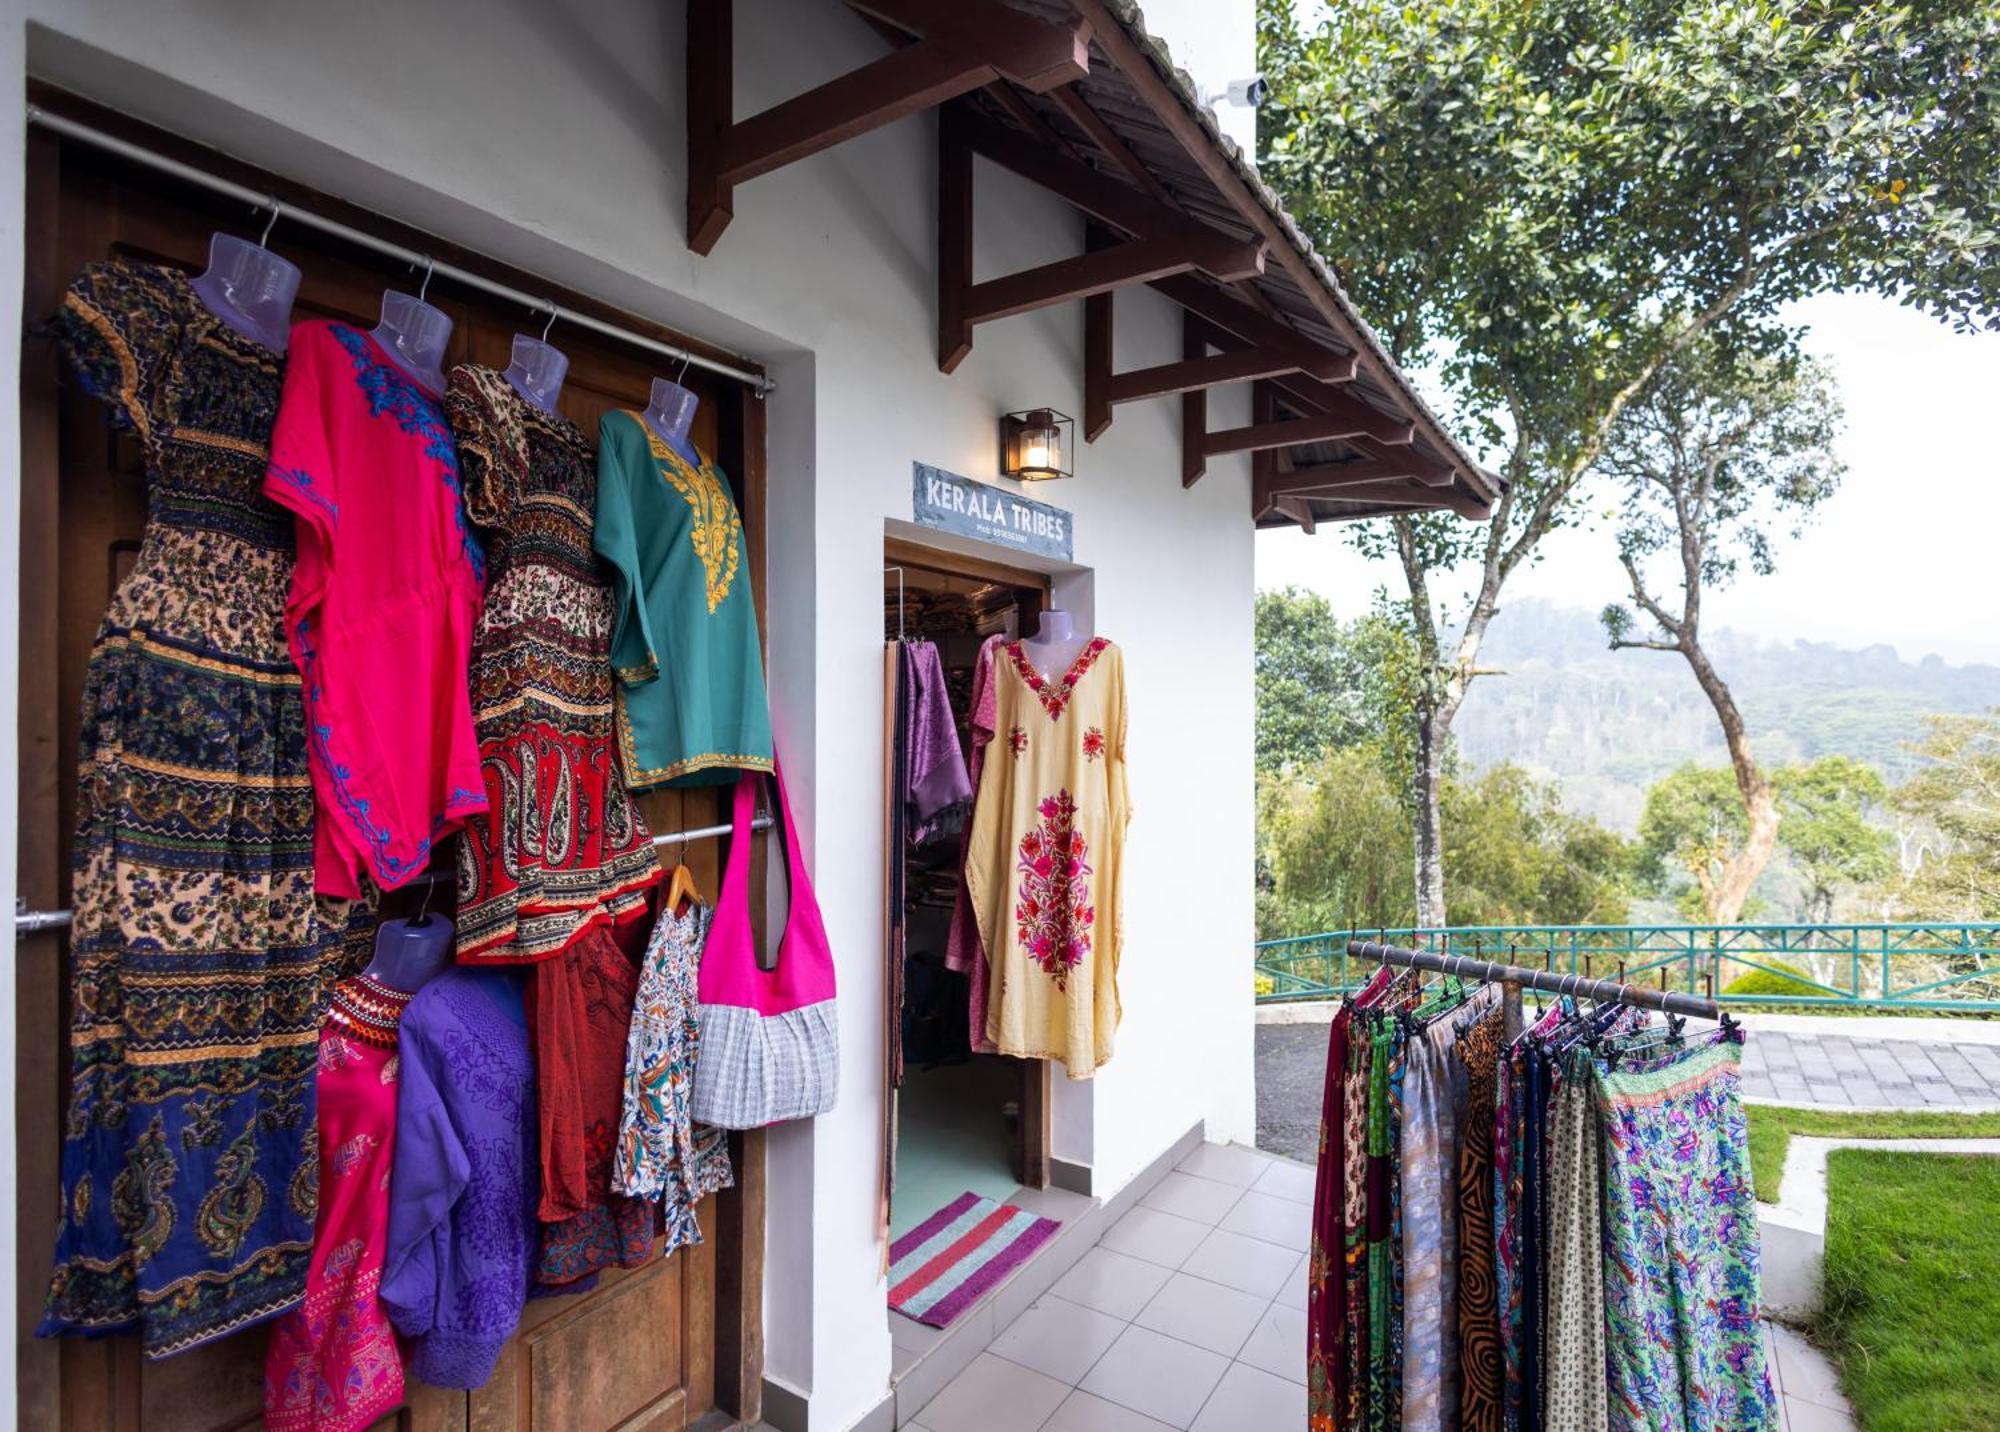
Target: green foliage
{"points": [[1953, 804], [1831, 826], [1771, 1131], [1340, 852], [1766, 981], [1322, 683], [1693, 820]]}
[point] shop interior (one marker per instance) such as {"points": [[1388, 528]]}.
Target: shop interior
{"points": [[960, 1121]]}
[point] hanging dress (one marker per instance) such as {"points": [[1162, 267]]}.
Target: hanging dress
{"points": [[200, 960], [382, 606], [561, 847], [1044, 865], [691, 703], [332, 1364]]}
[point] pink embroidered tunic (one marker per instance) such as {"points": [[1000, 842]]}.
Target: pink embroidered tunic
{"points": [[384, 599], [333, 1364], [1045, 863]]}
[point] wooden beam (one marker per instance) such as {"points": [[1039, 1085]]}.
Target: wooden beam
{"points": [[1211, 372], [1097, 335], [1066, 279], [1259, 330], [1214, 251], [1328, 478], [1033, 53], [1194, 408], [954, 243], [1300, 512], [900, 84], [710, 105], [1403, 494], [1290, 432], [1072, 103]]}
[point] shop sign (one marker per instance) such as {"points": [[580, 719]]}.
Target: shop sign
{"points": [[950, 503]]}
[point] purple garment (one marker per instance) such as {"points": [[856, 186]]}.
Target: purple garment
{"points": [[939, 792], [462, 1197]]}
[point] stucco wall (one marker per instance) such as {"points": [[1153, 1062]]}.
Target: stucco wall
{"points": [[551, 136]]}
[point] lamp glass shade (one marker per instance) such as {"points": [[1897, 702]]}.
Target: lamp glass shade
{"points": [[1032, 445]]}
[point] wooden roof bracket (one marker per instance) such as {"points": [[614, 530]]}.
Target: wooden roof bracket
{"points": [[964, 45]]}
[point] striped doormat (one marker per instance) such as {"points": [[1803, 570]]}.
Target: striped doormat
{"points": [[941, 1267]]}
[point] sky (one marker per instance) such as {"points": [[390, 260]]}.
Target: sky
{"points": [[1907, 553]]}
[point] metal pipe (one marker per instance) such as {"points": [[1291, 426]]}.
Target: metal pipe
{"points": [[31, 922], [464, 278], [1604, 991]]}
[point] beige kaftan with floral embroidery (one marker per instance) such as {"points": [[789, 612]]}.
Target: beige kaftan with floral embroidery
{"points": [[1047, 851]]}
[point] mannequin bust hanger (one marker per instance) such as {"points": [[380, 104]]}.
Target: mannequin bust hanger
{"points": [[1056, 643], [670, 414], [414, 334], [538, 369], [409, 954], [250, 288]]}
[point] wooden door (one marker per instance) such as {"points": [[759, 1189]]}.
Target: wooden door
{"points": [[641, 1348]]}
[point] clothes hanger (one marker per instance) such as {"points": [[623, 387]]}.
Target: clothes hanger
{"points": [[680, 885]]}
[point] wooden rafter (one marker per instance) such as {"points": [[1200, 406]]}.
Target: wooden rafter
{"points": [[1259, 330], [964, 45], [1360, 421], [1194, 408]]}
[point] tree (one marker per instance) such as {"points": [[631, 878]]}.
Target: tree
{"points": [[1309, 684], [1546, 202], [1340, 849], [1692, 824], [1518, 858], [1956, 795], [1828, 805], [1722, 449]]}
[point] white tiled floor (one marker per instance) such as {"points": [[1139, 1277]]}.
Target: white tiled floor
{"points": [[1190, 1314]]}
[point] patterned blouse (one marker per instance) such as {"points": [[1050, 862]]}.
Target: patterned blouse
{"points": [[662, 1153], [382, 606], [561, 846], [332, 1364], [691, 703]]}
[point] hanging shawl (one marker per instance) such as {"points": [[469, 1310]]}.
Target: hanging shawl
{"points": [[936, 787]]}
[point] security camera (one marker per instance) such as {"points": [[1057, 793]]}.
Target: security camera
{"points": [[1245, 94]]}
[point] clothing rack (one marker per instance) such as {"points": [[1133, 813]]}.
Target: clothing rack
{"points": [[1547, 981], [464, 278], [30, 922]]}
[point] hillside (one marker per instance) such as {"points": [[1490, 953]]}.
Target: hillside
{"points": [[1607, 724]]}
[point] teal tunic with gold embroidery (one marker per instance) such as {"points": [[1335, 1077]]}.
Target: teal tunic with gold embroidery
{"points": [[691, 703]]}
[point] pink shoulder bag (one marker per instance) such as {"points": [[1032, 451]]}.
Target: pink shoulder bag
{"points": [[770, 1042]]}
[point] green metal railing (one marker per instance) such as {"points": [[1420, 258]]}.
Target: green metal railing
{"points": [[1909, 966]]}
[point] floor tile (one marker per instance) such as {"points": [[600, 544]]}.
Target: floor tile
{"points": [[1081, 1412], [1271, 1219], [1245, 1264], [1247, 1398], [1059, 1338], [1287, 1180], [1278, 1342], [1202, 1199], [1225, 1163], [1203, 1313], [1811, 1417], [1293, 1294], [1111, 1282], [1162, 1238], [994, 1395], [1159, 1376], [1808, 1376]]}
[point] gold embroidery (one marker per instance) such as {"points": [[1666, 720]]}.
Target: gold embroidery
{"points": [[716, 528]]}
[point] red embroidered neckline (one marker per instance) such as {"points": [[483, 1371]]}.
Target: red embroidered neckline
{"points": [[1055, 698]]}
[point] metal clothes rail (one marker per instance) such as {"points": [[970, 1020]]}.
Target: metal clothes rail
{"points": [[29, 922], [464, 278], [1548, 981]]}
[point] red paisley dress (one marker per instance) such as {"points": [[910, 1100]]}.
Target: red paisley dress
{"points": [[562, 848]]}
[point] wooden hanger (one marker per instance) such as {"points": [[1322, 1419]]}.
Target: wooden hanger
{"points": [[680, 886]]}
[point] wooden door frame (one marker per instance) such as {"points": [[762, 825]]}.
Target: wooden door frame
{"points": [[47, 1382], [1037, 1088]]}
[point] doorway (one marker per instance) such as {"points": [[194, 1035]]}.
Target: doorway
{"points": [[961, 1120]]}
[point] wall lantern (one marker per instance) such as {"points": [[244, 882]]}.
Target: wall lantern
{"points": [[1034, 446]]}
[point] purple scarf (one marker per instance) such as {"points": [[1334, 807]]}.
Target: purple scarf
{"points": [[938, 792]]}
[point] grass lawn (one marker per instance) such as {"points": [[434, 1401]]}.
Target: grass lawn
{"points": [[1771, 1133], [1912, 1265]]}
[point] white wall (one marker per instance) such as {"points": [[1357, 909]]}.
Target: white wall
{"points": [[552, 137]]}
